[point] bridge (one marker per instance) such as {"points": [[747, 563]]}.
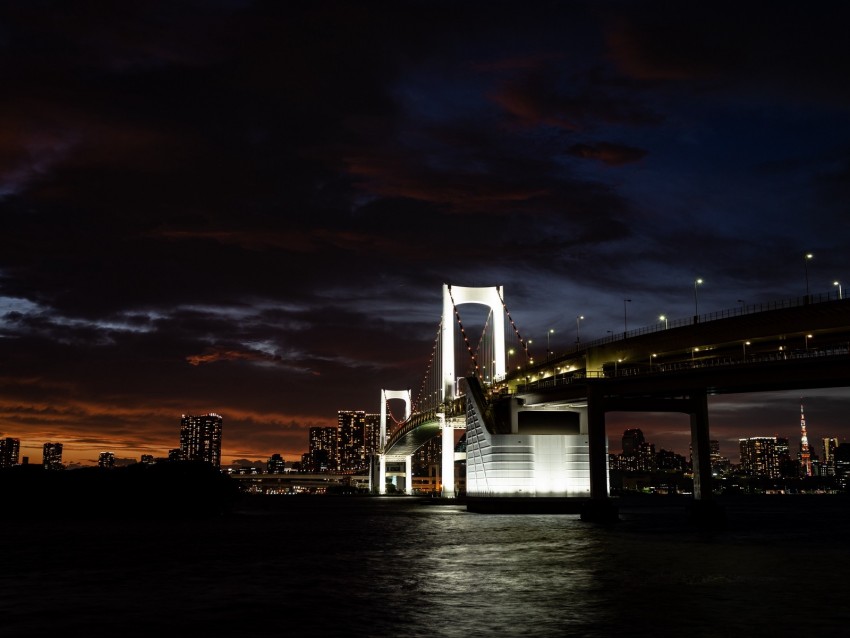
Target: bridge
{"points": [[537, 430]]}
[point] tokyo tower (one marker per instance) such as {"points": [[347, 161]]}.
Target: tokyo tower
{"points": [[805, 456]]}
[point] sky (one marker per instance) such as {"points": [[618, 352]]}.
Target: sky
{"points": [[250, 208]]}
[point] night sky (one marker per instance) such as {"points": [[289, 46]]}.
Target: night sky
{"points": [[250, 208]]}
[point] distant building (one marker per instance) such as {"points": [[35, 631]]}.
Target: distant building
{"points": [[147, 459], [106, 460], [322, 455], [759, 456], [276, 464], [52, 456], [357, 439], [638, 455], [842, 465], [668, 460], [174, 454], [200, 438], [9, 450], [428, 456], [829, 446]]}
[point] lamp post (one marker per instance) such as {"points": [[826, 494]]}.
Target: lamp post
{"points": [[664, 319], [578, 319], [625, 318], [651, 357], [806, 259], [807, 342], [528, 359], [510, 352], [746, 343], [548, 343], [838, 283], [697, 282]]}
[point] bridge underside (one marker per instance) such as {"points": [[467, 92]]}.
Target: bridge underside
{"points": [[413, 440]]}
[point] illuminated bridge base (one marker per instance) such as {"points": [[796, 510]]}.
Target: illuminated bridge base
{"points": [[523, 459]]}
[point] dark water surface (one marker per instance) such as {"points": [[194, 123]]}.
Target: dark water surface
{"points": [[386, 567]]}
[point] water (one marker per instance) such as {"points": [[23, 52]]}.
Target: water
{"points": [[387, 567]]}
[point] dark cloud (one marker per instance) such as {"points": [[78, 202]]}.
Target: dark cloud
{"points": [[608, 153], [250, 207]]}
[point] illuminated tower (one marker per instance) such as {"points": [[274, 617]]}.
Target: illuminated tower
{"points": [[805, 456], [200, 438], [9, 451], [52, 456]]}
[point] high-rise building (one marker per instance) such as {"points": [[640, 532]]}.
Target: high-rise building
{"points": [[106, 460], [758, 456], [322, 453], [632, 438], [200, 438], [805, 455], [9, 450], [357, 439], [52, 456], [829, 446], [638, 455]]}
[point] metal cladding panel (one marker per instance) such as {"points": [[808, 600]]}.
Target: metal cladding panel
{"points": [[532, 465]]}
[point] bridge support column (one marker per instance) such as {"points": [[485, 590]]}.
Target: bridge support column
{"points": [[382, 474], [704, 510], [448, 465], [701, 446], [408, 474], [600, 508]]}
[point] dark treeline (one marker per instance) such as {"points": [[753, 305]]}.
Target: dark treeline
{"points": [[173, 489]]}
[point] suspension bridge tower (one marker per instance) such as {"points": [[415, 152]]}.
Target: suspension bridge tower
{"points": [[454, 296], [386, 395]]}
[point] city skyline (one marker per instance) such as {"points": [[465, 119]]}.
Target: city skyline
{"points": [[728, 449], [251, 209]]}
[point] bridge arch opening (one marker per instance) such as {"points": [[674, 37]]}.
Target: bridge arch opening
{"points": [[454, 296]]}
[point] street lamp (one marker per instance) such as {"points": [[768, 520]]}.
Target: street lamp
{"points": [[510, 352], [625, 318], [807, 342], [651, 357], [838, 283], [806, 259], [578, 319], [746, 343], [696, 300], [664, 319], [548, 348]]}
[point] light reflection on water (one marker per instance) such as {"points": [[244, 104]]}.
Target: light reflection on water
{"points": [[396, 567]]}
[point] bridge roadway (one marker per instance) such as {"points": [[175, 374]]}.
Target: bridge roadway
{"points": [[674, 370], [422, 427]]}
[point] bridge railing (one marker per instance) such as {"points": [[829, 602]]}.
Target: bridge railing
{"points": [[744, 309], [659, 368]]}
